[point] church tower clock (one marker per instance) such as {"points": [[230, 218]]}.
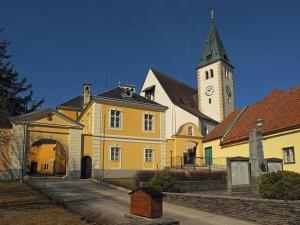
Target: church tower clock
{"points": [[215, 78]]}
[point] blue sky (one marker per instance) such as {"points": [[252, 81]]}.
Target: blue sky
{"points": [[58, 45]]}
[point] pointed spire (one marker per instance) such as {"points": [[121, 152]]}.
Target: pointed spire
{"points": [[213, 49]]}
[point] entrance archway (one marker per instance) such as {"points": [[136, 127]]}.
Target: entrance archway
{"points": [[86, 167], [189, 154], [46, 157]]}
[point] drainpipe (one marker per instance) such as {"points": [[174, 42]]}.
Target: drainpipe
{"points": [[103, 147], [24, 144]]}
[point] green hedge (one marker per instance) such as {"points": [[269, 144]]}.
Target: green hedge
{"points": [[163, 182], [280, 185], [196, 175]]}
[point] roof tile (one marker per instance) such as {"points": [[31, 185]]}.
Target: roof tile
{"points": [[280, 110]]}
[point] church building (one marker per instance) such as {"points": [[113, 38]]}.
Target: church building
{"points": [[168, 124], [194, 111]]}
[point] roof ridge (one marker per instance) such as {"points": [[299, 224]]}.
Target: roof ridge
{"points": [[233, 122], [180, 82]]}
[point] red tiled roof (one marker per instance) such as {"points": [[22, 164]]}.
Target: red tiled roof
{"points": [[219, 130], [280, 111]]}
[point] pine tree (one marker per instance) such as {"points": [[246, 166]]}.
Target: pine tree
{"points": [[16, 96]]}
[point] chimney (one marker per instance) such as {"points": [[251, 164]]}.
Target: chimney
{"points": [[86, 93]]}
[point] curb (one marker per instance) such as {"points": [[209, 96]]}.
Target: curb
{"points": [[111, 185]]}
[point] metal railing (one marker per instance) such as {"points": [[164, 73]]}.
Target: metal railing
{"points": [[179, 162]]}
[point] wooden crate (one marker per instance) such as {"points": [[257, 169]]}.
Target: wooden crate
{"points": [[146, 202]]}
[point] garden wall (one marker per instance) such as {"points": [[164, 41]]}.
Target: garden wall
{"points": [[190, 186], [261, 211]]}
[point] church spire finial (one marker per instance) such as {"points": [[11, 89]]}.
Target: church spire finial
{"points": [[212, 15]]}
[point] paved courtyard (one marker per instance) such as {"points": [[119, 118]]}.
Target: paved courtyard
{"points": [[114, 203]]}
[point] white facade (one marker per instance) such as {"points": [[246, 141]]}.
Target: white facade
{"points": [[175, 116], [216, 90]]}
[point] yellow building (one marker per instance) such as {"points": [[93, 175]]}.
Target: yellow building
{"points": [[46, 157], [280, 114], [113, 134], [123, 132], [170, 124]]}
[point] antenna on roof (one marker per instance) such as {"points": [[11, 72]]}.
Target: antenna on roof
{"points": [[212, 15], [106, 81]]}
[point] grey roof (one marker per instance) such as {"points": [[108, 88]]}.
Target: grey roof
{"points": [[213, 49], [74, 103], [118, 94], [40, 114], [181, 94]]}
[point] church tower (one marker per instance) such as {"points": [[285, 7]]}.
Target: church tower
{"points": [[215, 78]]}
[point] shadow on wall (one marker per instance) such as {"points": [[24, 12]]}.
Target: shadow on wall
{"points": [[46, 157], [10, 156]]}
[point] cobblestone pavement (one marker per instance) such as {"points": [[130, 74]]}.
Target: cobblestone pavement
{"points": [[114, 203]]}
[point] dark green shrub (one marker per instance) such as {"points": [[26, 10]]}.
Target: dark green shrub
{"points": [[163, 182], [280, 185], [143, 176], [194, 175]]}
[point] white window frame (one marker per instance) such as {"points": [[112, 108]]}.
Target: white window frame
{"points": [[120, 119], [146, 156], [287, 158], [114, 155], [153, 122], [46, 166]]}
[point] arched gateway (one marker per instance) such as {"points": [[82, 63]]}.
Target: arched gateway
{"points": [[57, 135]]}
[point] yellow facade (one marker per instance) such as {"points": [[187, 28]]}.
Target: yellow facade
{"points": [[46, 159], [131, 156], [181, 143], [131, 122], [70, 113], [272, 144], [130, 138]]}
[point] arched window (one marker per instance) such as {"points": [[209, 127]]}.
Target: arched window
{"points": [[190, 131], [211, 73], [206, 75]]}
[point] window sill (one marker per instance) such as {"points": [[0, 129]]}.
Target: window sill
{"points": [[115, 128], [149, 131]]}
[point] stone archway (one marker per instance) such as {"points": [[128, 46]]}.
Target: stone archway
{"points": [[46, 157], [46, 124], [189, 153]]}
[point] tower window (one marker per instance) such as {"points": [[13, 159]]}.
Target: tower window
{"points": [[211, 73], [206, 75], [229, 100], [209, 100]]}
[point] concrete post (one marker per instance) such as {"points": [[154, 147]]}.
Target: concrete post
{"points": [[256, 153]]}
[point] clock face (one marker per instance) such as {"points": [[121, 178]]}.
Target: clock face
{"points": [[228, 91], [209, 90]]}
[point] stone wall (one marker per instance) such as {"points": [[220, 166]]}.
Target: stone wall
{"points": [[190, 186], [261, 211]]}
